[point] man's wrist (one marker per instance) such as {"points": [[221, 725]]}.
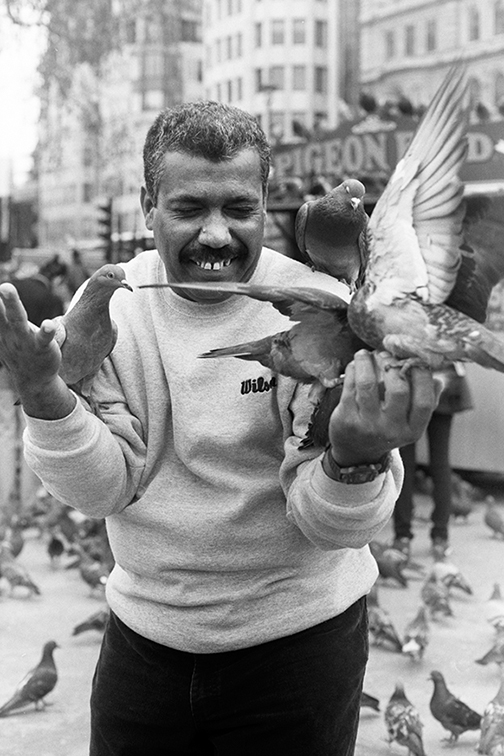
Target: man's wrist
{"points": [[51, 401], [363, 472]]}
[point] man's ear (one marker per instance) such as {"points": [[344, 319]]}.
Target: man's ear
{"points": [[148, 208]]}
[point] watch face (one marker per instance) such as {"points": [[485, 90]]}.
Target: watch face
{"points": [[364, 475]]}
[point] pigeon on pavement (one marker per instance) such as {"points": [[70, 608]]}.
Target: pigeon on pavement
{"points": [[403, 722], [381, 627], [15, 573], [390, 561], [496, 653], [96, 621], [36, 684], [416, 635], [491, 740], [449, 574], [434, 594], [494, 608], [451, 712], [330, 232], [493, 517]]}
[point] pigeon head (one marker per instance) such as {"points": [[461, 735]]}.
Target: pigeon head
{"points": [[355, 190], [111, 276]]}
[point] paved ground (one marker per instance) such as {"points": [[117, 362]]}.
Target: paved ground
{"points": [[62, 729]]}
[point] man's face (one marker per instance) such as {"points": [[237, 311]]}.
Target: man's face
{"points": [[208, 222]]}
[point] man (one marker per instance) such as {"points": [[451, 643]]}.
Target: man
{"points": [[238, 621]]}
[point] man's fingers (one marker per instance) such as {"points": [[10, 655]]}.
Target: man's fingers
{"points": [[425, 390], [13, 310], [46, 332]]}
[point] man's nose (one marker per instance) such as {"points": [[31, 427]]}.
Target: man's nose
{"points": [[215, 232]]}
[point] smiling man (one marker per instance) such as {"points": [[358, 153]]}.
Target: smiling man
{"points": [[238, 617]]}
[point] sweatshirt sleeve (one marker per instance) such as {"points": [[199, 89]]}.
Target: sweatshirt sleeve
{"points": [[331, 514], [88, 464]]}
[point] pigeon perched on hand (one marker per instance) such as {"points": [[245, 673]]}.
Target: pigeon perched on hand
{"points": [[86, 333], [416, 635], [403, 722], [493, 517], [491, 740], [36, 684], [453, 714], [330, 232]]}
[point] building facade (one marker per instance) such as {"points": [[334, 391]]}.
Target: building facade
{"points": [[408, 45], [279, 60]]}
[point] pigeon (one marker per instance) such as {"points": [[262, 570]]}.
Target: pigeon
{"points": [[390, 561], [493, 517], [424, 297], [55, 548], [85, 333], [453, 714], [491, 740], [496, 653], [96, 621], [381, 627], [36, 684], [369, 701], [15, 573], [435, 596], [403, 722], [449, 574], [416, 635], [330, 232], [494, 608], [93, 572]]}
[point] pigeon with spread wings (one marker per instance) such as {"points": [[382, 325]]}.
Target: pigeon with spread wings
{"points": [[425, 292]]}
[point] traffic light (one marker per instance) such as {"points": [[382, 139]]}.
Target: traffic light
{"points": [[105, 227]]}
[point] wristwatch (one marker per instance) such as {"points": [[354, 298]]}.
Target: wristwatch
{"points": [[356, 473]]}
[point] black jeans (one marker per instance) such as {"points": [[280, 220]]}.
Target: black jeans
{"points": [[438, 436], [298, 695]]}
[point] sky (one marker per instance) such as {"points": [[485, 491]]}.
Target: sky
{"points": [[20, 50]]}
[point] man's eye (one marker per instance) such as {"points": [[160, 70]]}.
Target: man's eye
{"points": [[240, 211]]}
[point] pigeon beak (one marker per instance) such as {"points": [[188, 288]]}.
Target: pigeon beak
{"points": [[355, 202], [126, 285]]}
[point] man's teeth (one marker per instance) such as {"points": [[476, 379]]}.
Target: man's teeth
{"points": [[213, 266]]}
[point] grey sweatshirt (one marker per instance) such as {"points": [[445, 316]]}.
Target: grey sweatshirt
{"points": [[225, 533]]}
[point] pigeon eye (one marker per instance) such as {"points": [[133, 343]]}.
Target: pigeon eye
{"points": [[110, 275]]}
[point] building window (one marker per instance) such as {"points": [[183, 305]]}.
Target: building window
{"points": [[277, 77], [431, 35], [298, 31], [239, 88], [219, 92], [389, 44], [299, 78], [474, 24], [230, 8], [258, 77], [229, 91], [499, 17], [190, 31], [277, 120], [153, 64], [258, 34], [239, 45], [474, 91], [409, 40], [87, 193], [277, 31], [321, 79], [321, 33], [131, 32], [229, 47], [218, 50]]}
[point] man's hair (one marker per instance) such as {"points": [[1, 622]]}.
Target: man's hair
{"points": [[204, 129]]}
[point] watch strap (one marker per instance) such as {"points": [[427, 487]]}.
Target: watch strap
{"points": [[355, 474]]}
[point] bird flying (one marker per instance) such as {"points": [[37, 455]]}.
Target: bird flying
{"points": [[36, 684], [330, 232]]}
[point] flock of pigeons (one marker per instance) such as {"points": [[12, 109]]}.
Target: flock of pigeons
{"points": [[83, 545], [440, 580]]}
